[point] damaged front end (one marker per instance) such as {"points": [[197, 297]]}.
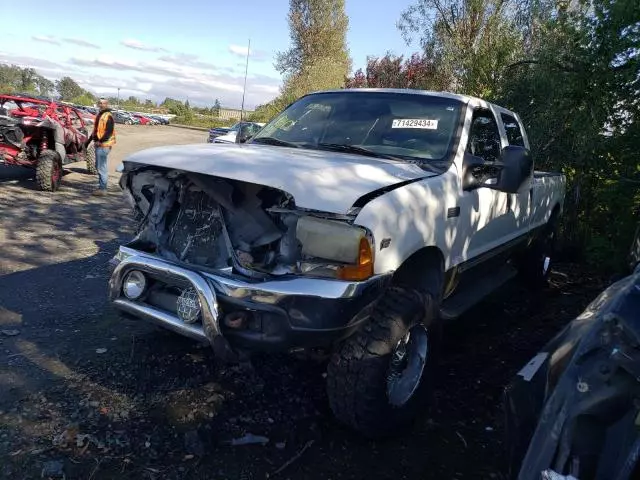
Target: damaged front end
{"points": [[257, 231], [574, 410], [237, 264]]}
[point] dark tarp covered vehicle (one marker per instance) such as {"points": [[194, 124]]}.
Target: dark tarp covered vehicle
{"points": [[573, 412]]}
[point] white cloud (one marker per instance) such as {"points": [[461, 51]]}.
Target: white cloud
{"points": [[176, 76], [81, 43], [189, 60], [138, 45], [238, 50], [241, 51], [46, 39], [57, 41]]}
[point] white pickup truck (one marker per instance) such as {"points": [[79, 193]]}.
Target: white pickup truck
{"points": [[356, 221]]}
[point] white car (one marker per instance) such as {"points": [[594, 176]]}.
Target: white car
{"points": [[230, 137], [355, 221]]}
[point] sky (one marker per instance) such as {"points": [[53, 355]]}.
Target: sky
{"points": [[184, 49]]}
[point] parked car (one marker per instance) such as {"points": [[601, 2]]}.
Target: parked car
{"points": [[218, 131], [230, 137], [122, 118], [160, 120], [141, 119], [43, 135], [356, 221]]}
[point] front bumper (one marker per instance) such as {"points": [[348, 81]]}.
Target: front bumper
{"points": [[279, 314]]}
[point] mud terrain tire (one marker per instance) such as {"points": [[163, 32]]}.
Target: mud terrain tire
{"points": [[358, 373], [90, 160], [534, 266], [49, 171]]}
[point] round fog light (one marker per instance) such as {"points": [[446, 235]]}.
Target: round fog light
{"points": [[188, 306], [134, 285]]}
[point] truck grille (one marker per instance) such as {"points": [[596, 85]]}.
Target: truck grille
{"points": [[196, 232]]}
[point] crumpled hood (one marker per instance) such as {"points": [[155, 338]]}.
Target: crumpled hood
{"points": [[317, 180]]}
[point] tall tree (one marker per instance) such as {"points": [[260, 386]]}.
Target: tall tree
{"points": [[215, 111], [68, 89], [44, 86], [471, 41], [318, 57], [576, 89]]}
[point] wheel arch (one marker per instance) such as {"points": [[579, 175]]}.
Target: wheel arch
{"points": [[423, 269]]}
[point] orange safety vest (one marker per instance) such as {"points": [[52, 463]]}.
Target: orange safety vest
{"points": [[101, 128]]}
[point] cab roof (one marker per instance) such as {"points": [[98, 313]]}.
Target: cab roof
{"points": [[466, 99]]}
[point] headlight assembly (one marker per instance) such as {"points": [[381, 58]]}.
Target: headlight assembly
{"points": [[348, 245]]}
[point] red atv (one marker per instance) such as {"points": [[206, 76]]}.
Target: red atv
{"points": [[44, 135]]}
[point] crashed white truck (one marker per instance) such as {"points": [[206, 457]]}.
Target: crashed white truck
{"points": [[357, 221]]}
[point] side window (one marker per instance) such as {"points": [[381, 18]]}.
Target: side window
{"points": [[484, 137], [514, 134]]}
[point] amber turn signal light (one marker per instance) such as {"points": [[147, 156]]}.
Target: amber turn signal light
{"points": [[361, 270]]}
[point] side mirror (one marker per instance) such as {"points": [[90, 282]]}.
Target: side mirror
{"points": [[244, 134], [507, 175], [516, 169]]}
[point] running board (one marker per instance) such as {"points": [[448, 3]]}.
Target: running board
{"points": [[468, 296]]}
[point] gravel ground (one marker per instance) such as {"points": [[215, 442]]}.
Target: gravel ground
{"points": [[88, 395]]}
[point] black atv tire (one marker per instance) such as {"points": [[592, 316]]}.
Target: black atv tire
{"points": [[90, 160], [534, 265], [49, 171], [358, 374]]}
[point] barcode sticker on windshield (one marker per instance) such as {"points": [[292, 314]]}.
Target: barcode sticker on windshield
{"points": [[415, 123]]}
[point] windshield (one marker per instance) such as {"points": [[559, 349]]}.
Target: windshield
{"points": [[403, 126]]}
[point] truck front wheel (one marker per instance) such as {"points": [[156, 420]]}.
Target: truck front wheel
{"points": [[379, 379]]}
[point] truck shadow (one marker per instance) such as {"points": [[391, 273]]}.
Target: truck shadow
{"points": [[40, 226]]}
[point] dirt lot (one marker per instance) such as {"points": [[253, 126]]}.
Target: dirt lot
{"points": [[87, 394]]}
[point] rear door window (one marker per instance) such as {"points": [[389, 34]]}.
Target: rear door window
{"points": [[513, 130]]}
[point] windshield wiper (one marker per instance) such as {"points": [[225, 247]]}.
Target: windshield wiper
{"points": [[338, 147], [274, 141]]}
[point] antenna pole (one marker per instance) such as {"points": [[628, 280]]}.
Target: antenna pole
{"points": [[246, 70]]}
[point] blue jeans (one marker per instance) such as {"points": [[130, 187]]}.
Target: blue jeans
{"points": [[103, 166]]}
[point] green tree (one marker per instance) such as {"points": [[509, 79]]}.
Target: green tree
{"points": [[85, 99], [576, 88], [318, 57], [44, 86], [215, 111], [68, 88], [24, 80], [470, 41]]}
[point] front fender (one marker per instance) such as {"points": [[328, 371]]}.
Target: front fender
{"points": [[407, 219]]}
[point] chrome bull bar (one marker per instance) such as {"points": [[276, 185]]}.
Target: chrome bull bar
{"points": [[206, 295]]}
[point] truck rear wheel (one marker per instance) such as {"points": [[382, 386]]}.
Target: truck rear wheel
{"points": [[49, 171], [535, 264], [90, 159], [379, 379]]}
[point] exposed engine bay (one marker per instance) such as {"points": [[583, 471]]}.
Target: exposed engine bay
{"points": [[255, 230]]}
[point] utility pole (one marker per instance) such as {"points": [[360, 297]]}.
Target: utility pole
{"points": [[118, 102], [246, 70]]}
